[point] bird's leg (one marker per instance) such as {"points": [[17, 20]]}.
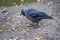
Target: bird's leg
{"points": [[38, 24]]}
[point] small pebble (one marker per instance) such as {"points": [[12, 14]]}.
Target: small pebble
{"points": [[51, 2], [14, 39], [37, 39], [45, 24], [4, 39], [48, 22], [21, 39], [38, 0], [9, 17], [23, 30], [18, 21], [10, 39], [22, 0], [18, 16], [16, 6]]}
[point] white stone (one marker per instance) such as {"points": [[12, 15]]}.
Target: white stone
{"points": [[4, 39], [18, 16], [6, 13], [45, 24], [51, 2], [14, 39], [22, 0], [48, 22], [9, 17], [16, 6], [10, 39], [21, 16], [21, 39], [38, 0], [17, 37], [18, 21]]}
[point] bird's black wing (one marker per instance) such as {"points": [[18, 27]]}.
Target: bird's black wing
{"points": [[39, 15]]}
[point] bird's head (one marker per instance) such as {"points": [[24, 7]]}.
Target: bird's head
{"points": [[24, 11]]}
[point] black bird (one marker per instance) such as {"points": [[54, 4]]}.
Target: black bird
{"points": [[34, 15]]}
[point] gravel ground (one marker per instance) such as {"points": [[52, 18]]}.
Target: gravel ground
{"points": [[15, 26]]}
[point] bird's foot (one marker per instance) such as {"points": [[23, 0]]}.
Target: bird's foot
{"points": [[35, 27]]}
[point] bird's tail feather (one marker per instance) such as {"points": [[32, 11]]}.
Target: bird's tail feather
{"points": [[49, 17]]}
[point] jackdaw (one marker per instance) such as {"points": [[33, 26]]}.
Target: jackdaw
{"points": [[34, 15]]}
